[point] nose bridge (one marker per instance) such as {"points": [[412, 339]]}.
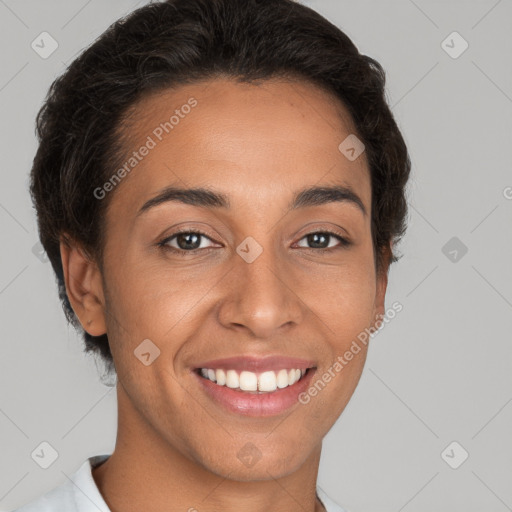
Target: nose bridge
{"points": [[261, 297]]}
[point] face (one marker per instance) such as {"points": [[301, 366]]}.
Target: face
{"points": [[256, 277]]}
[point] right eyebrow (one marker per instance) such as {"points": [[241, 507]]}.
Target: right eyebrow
{"points": [[193, 196]]}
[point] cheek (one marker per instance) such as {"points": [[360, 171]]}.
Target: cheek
{"points": [[345, 302], [346, 308], [148, 302], [147, 294]]}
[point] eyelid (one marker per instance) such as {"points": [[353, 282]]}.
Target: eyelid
{"points": [[343, 240], [174, 234]]}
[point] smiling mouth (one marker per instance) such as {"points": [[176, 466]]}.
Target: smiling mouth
{"points": [[254, 382]]}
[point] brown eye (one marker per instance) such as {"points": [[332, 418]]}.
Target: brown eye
{"points": [[186, 241], [319, 239]]}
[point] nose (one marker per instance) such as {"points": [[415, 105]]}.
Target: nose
{"points": [[262, 297]]}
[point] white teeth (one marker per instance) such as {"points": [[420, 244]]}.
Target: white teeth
{"points": [[265, 382], [282, 379], [232, 380], [248, 381], [220, 377]]}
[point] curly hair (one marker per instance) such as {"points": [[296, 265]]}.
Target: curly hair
{"points": [[163, 45]]}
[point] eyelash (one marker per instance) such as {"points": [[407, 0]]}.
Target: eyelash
{"points": [[344, 243]]}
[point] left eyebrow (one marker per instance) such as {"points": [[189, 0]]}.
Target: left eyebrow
{"points": [[317, 196], [202, 197]]}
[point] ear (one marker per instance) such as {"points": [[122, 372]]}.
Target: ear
{"points": [[84, 286], [382, 284]]}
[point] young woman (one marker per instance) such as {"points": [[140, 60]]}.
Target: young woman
{"points": [[219, 185]]}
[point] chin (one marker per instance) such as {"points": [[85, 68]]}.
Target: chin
{"points": [[250, 463]]}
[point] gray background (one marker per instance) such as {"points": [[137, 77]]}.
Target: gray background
{"points": [[439, 372]]}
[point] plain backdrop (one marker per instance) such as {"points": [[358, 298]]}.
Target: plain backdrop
{"points": [[437, 384]]}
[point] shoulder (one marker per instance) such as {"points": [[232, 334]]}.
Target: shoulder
{"points": [[330, 505], [59, 498], [78, 493]]}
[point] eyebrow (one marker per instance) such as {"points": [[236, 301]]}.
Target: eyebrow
{"points": [[203, 197]]}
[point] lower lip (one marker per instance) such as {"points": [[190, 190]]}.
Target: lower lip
{"points": [[256, 404]]}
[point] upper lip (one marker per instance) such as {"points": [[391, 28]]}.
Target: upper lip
{"points": [[257, 364]]}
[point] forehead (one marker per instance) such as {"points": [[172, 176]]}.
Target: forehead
{"points": [[272, 136]]}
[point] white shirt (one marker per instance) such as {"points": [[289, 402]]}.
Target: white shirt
{"points": [[81, 494]]}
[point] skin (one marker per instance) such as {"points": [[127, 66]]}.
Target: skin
{"points": [[257, 144]]}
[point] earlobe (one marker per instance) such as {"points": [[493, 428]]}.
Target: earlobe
{"points": [[84, 286]]}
